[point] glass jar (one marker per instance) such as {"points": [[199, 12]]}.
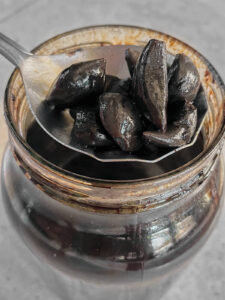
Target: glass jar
{"points": [[103, 229]]}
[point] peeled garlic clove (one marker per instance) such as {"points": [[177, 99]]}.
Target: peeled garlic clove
{"points": [[184, 79], [150, 83], [177, 135], [120, 120], [78, 83]]}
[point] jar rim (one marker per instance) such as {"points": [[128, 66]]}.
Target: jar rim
{"points": [[35, 156]]}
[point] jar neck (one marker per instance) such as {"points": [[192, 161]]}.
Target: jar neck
{"points": [[119, 197]]}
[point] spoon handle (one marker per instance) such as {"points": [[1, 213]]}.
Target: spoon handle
{"points": [[12, 51]]}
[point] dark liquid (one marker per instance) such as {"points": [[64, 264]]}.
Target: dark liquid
{"points": [[84, 165]]}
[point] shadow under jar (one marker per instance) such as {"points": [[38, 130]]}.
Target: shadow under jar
{"points": [[123, 224]]}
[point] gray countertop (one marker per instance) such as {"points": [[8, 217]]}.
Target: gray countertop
{"points": [[198, 22]]}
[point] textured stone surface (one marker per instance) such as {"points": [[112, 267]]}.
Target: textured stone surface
{"points": [[198, 22]]}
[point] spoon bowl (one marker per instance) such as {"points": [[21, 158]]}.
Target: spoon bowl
{"points": [[40, 72]]}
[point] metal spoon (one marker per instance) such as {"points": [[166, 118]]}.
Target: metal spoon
{"points": [[39, 73]]}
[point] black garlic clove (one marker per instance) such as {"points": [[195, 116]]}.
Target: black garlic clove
{"points": [[150, 85], [87, 130], [178, 134], [121, 121], [80, 82], [131, 57], [184, 80]]}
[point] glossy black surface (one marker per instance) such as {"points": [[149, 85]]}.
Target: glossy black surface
{"points": [[87, 129], [150, 83], [81, 82], [177, 135], [121, 121], [184, 80]]}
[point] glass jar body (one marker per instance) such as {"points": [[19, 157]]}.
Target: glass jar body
{"points": [[128, 250], [125, 237]]}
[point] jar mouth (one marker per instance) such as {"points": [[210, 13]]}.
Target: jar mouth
{"points": [[212, 83]]}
